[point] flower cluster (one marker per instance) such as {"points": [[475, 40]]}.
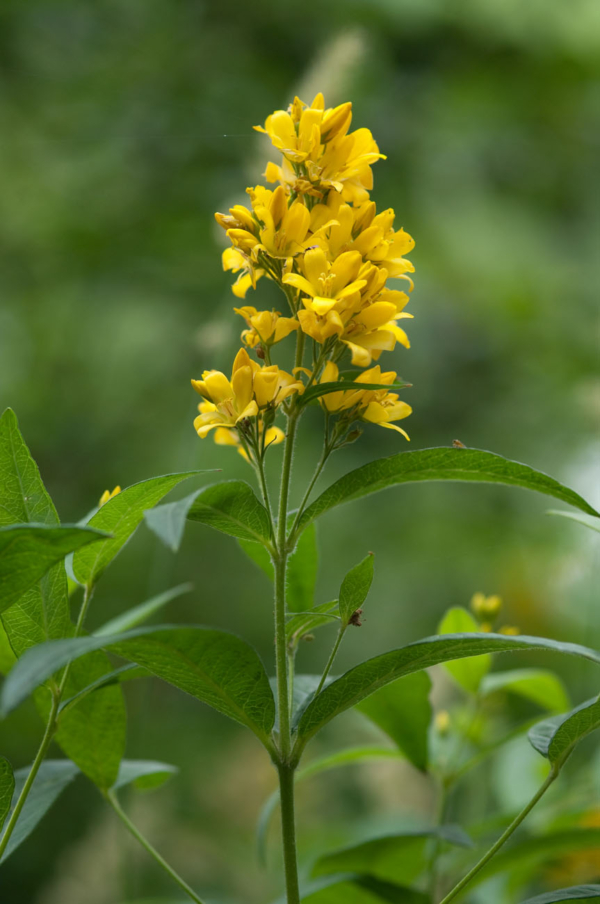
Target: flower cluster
{"points": [[317, 234]]}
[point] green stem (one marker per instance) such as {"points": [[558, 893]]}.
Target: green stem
{"points": [[553, 775], [320, 465], [39, 759], [331, 659], [260, 471], [112, 800], [288, 831]]}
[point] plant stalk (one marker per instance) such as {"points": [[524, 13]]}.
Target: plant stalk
{"points": [[112, 800], [552, 776], [288, 831], [331, 659]]}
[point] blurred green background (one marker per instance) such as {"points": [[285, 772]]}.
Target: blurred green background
{"points": [[124, 125]]}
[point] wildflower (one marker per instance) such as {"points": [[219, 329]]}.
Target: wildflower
{"points": [[251, 389], [510, 630], [377, 406], [225, 437], [485, 607], [106, 495], [327, 285], [267, 327], [235, 260]]}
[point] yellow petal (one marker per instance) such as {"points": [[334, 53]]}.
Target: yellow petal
{"points": [[265, 385], [217, 387], [242, 386], [274, 436], [299, 282]]}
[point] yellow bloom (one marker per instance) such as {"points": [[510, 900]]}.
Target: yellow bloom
{"points": [[250, 389], [267, 327], [106, 495], [235, 260], [377, 406], [325, 285], [485, 607], [225, 437], [510, 630]]}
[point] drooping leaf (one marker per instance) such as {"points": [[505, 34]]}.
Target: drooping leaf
{"points": [[563, 895], [232, 507], [353, 889], [128, 672], [555, 738], [120, 516], [469, 673], [168, 521], [321, 389], [355, 587], [306, 622], [435, 465], [402, 709], [7, 786], [145, 775], [28, 552], [369, 676], [216, 667], [52, 778], [399, 858], [591, 521], [538, 685], [139, 614]]}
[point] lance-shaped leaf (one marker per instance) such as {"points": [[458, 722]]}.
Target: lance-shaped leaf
{"points": [[435, 465], [468, 672], [28, 552], [563, 895], [369, 676], [120, 516], [216, 667], [7, 786], [540, 686], [399, 858], [321, 389], [232, 508], [402, 709], [168, 521], [587, 520], [52, 778], [555, 738], [139, 614], [354, 589], [353, 889], [145, 775]]}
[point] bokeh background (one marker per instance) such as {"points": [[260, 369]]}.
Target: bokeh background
{"points": [[124, 125]]}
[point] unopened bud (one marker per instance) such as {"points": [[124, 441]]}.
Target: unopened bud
{"points": [[260, 352], [442, 722], [486, 607]]}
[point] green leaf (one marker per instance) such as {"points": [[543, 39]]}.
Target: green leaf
{"points": [[232, 508], [7, 786], [120, 516], [555, 738], [216, 667], [301, 575], [399, 858], [145, 775], [258, 554], [562, 895], [321, 389], [7, 656], [139, 614], [402, 709], [538, 685], [470, 673], [439, 464], [28, 552], [305, 622], [127, 672], [369, 676], [168, 521], [52, 778], [353, 889], [587, 520], [355, 588]]}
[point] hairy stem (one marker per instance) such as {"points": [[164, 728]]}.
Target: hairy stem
{"points": [[553, 775], [112, 800], [288, 829]]}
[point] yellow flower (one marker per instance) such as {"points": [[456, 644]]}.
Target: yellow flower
{"points": [[250, 389], [106, 495], [377, 406], [485, 607], [225, 437], [510, 630], [267, 327], [235, 260], [328, 285]]}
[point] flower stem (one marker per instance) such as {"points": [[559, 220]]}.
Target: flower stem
{"points": [[288, 829], [112, 800], [552, 776]]}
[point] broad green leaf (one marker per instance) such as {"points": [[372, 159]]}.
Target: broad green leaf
{"points": [[52, 778], [355, 588], [216, 667], [7, 786], [321, 389], [7, 656], [563, 895], [28, 552], [168, 521], [402, 709], [353, 889], [259, 555], [232, 507], [145, 775], [439, 464], [301, 574], [470, 672], [555, 738], [127, 672], [369, 676], [120, 516], [399, 858], [591, 521], [305, 622], [538, 685], [139, 614]]}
